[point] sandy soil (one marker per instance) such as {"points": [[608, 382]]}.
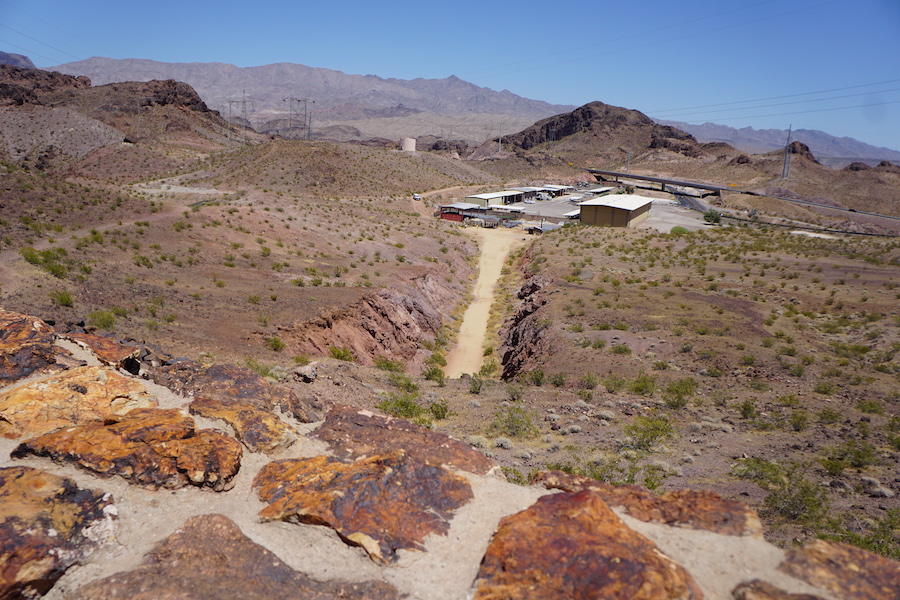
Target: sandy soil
{"points": [[495, 246]]}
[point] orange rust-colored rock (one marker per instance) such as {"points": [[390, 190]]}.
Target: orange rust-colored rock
{"points": [[383, 503], [352, 433], [210, 558], [846, 571], [229, 383], [148, 446], [47, 524], [260, 430], [571, 545], [109, 352], [684, 508], [74, 397], [762, 590], [26, 346]]}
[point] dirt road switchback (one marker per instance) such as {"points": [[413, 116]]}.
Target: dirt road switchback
{"points": [[495, 245]]}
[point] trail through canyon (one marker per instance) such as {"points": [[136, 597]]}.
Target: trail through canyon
{"points": [[495, 245]]}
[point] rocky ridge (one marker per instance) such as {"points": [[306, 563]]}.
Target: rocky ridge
{"points": [[375, 507]]}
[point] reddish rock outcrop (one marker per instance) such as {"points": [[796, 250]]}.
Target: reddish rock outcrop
{"points": [[26, 345], [74, 397], [383, 503], [846, 571], [353, 433], [210, 558], [573, 546], [390, 322], [47, 524], [229, 383], [684, 508], [148, 446], [107, 351], [258, 429]]}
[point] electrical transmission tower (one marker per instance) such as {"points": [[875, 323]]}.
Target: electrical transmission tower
{"points": [[306, 116], [786, 170]]}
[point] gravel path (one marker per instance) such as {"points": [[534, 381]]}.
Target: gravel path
{"points": [[495, 246]]}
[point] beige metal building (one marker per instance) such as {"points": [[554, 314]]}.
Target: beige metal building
{"points": [[618, 210]]}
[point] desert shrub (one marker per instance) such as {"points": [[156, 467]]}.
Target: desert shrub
{"points": [[536, 377], [476, 384], [614, 383], [647, 431], [679, 230], [712, 216], [643, 385], [439, 410], [514, 392], [403, 405], [790, 494], [514, 421], [829, 415], [342, 353], [102, 319], [853, 453], [678, 392], [386, 364], [872, 407], [558, 379], [620, 349], [261, 369], [589, 381], [301, 360], [878, 535], [825, 387], [403, 382], [799, 420], [63, 298], [747, 409], [435, 374], [275, 343], [488, 368]]}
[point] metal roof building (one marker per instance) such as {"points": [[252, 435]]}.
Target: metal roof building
{"points": [[619, 210]]}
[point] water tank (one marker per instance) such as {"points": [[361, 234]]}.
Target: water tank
{"points": [[408, 144]]}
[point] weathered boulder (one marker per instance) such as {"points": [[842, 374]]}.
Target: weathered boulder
{"points": [[573, 546], [684, 508], [846, 571], [74, 397], [353, 433], [148, 446], [209, 558], [762, 590], [231, 382], [108, 351], [258, 429], [47, 524], [383, 503], [26, 345]]}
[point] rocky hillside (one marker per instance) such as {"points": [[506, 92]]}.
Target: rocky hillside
{"points": [[132, 475]]}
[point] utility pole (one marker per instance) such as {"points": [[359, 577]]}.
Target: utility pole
{"points": [[786, 170]]}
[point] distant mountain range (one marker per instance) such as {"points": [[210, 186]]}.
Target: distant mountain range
{"points": [[339, 95], [829, 150], [16, 60]]}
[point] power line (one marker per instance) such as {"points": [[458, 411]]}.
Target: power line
{"points": [[779, 104], [804, 112], [840, 89], [40, 42]]}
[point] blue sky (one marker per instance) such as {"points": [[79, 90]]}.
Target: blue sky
{"points": [[832, 65]]}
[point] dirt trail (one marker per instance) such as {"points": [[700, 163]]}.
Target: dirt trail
{"points": [[495, 245]]}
